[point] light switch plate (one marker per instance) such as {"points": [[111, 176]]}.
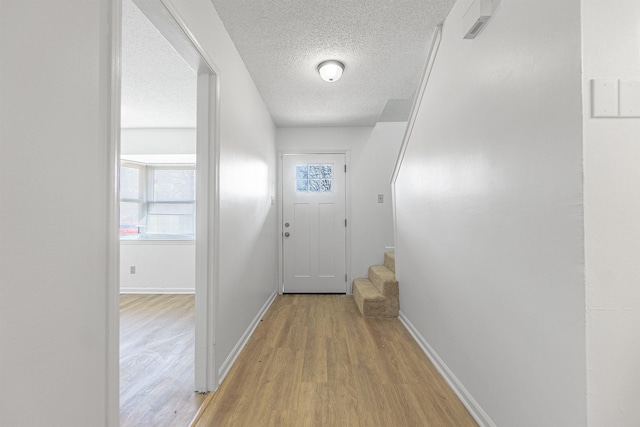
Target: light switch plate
{"points": [[629, 98], [604, 98]]}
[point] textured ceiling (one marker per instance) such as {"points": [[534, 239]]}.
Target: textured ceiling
{"points": [[383, 44], [158, 87]]}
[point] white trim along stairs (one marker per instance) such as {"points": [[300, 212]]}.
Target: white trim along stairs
{"points": [[378, 295]]}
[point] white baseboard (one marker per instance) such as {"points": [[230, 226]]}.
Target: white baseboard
{"points": [[231, 359], [465, 397], [176, 291]]}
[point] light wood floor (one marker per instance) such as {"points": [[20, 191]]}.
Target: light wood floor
{"points": [[156, 361], [314, 361]]}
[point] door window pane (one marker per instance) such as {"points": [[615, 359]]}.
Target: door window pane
{"points": [[301, 171], [314, 178], [302, 185], [315, 171]]}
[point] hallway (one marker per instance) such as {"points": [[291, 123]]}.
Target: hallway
{"points": [[314, 361]]}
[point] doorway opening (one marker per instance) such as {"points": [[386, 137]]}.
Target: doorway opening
{"points": [[168, 217]]}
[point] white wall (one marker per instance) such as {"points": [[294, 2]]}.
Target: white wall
{"points": [[158, 141], [248, 249], [55, 62], [161, 267], [158, 145], [611, 46], [54, 77], [489, 214], [372, 154]]}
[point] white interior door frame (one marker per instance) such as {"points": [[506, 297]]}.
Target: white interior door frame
{"points": [[112, 293], [347, 155], [165, 17], [174, 28]]}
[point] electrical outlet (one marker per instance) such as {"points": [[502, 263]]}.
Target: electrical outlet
{"points": [[132, 269], [380, 198]]}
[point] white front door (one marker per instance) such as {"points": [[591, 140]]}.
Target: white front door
{"points": [[314, 223]]}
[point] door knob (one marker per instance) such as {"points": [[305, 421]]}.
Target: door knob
{"points": [[287, 234]]}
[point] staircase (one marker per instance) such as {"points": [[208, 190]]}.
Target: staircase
{"points": [[378, 295]]}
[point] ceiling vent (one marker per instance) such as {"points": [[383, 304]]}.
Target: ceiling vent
{"points": [[476, 18]]}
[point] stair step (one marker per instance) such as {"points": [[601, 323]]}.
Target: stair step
{"points": [[379, 294], [371, 302], [390, 261], [384, 280]]}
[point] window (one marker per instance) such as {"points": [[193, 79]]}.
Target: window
{"points": [[314, 178], [157, 201]]}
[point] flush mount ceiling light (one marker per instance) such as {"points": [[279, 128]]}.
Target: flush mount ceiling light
{"points": [[331, 70]]}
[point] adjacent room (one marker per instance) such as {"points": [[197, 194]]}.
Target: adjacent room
{"points": [[157, 228]]}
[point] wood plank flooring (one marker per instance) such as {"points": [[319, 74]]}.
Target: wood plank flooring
{"points": [[314, 361], [156, 361]]}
